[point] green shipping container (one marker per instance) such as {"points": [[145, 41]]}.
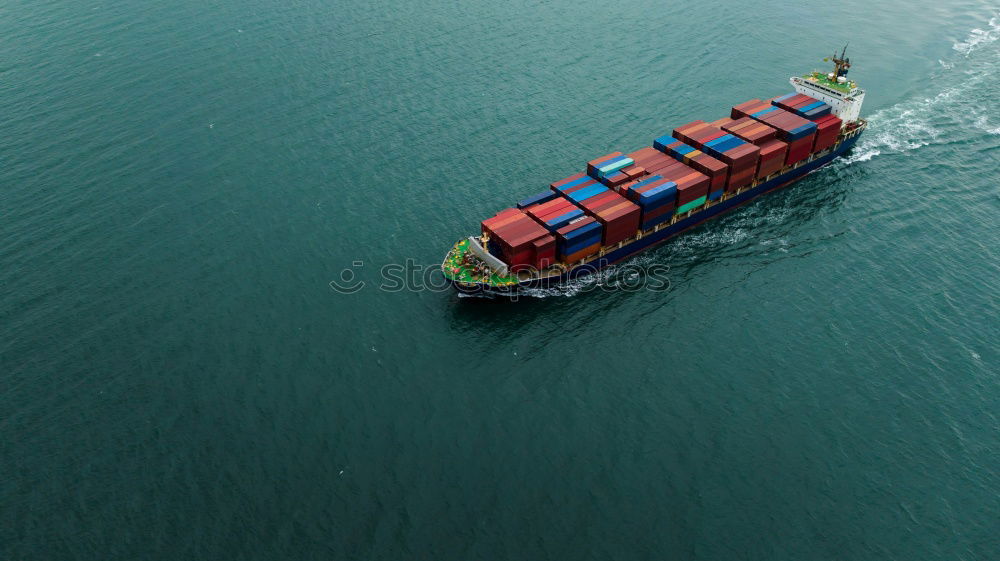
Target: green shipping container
{"points": [[611, 168], [693, 204]]}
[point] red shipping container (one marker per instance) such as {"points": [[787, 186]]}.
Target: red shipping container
{"points": [[615, 179], [618, 215], [772, 157], [751, 130], [827, 132], [658, 212], [634, 171], [797, 100], [803, 101], [503, 216], [714, 169], [596, 201], [745, 108], [799, 150], [722, 123], [545, 251], [518, 235], [739, 159], [690, 191]]}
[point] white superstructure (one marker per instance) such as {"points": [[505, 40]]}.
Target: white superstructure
{"points": [[847, 106], [834, 88]]}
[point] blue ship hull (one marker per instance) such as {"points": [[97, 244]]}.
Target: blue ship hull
{"points": [[663, 234]]}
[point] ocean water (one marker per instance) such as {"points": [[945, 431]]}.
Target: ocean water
{"points": [[181, 181]]}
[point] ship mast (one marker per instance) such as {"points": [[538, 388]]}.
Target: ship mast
{"points": [[841, 63]]}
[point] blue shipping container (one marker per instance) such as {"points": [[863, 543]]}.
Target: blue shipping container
{"points": [[647, 181], [539, 198], [577, 245], [563, 219], [582, 231], [586, 193], [764, 112], [662, 142], [574, 183], [658, 196], [818, 112]]}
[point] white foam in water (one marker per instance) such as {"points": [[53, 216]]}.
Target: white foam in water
{"points": [[978, 37], [571, 287], [983, 123], [913, 124]]}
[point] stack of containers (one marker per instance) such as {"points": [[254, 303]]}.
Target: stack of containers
{"points": [[578, 240], [657, 197], [651, 159], [634, 172], [608, 169], [512, 238], [545, 251], [573, 182], [619, 216], [578, 187], [772, 150], [827, 131], [802, 105], [799, 133], [741, 156], [693, 186], [721, 123], [828, 125], [715, 170], [536, 199], [554, 214], [749, 130]]}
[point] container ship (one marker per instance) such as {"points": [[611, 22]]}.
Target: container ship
{"points": [[625, 203]]}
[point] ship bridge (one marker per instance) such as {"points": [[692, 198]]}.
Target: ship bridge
{"points": [[834, 88]]}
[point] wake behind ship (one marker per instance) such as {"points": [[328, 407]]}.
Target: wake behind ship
{"points": [[626, 203]]}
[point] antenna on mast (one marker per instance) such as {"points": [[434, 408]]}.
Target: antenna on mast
{"points": [[841, 63]]}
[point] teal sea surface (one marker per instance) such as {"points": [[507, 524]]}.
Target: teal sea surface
{"points": [[181, 181]]}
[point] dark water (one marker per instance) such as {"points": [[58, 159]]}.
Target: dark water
{"points": [[182, 180]]}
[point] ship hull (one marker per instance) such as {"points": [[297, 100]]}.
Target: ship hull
{"points": [[653, 239]]}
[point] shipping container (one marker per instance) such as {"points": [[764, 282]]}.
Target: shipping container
{"points": [[619, 216], [512, 235], [827, 131], [545, 251], [681, 209], [542, 197], [581, 238], [772, 157], [572, 181], [607, 165], [739, 155], [716, 171]]}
